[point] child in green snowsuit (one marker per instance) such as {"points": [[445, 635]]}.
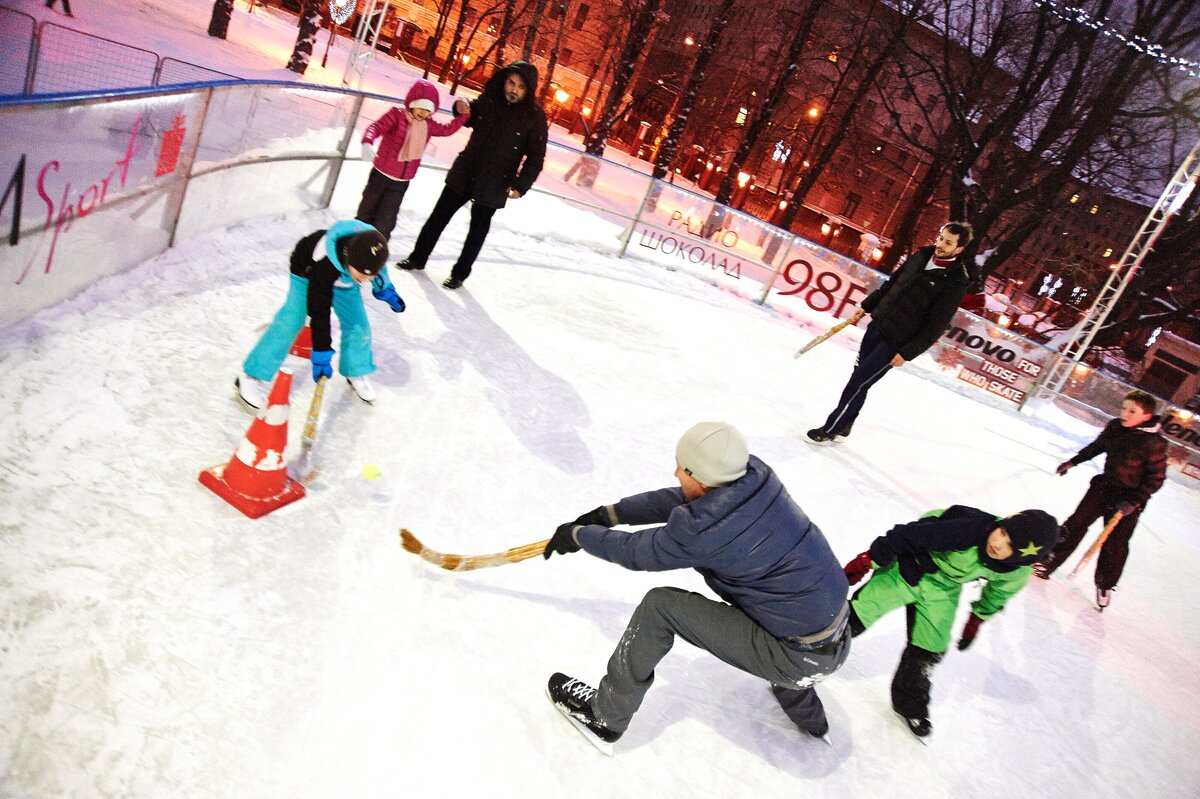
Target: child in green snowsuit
{"points": [[922, 566]]}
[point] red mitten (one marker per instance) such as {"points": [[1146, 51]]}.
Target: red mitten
{"points": [[970, 630], [857, 569]]}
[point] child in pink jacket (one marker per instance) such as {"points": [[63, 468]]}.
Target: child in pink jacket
{"points": [[403, 134]]}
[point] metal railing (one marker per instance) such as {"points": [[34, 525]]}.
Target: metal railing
{"points": [[48, 58], [196, 158]]}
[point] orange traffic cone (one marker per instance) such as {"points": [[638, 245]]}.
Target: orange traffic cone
{"points": [[302, 346], [255, 481]]}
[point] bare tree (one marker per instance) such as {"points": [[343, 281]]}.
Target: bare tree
{"points": [[563, 6], [489, 13], [531, 32], [872, 52], [452, 58], [1064, 91], [306, 37], [443, 7], [687, 96], [635, 40], [762, 116], [222, 12], [1166, 290]]}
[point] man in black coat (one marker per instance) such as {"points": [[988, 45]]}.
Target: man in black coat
{"points": [[909, 313], [501, 161]]}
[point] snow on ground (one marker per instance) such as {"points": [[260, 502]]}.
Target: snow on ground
{"points": [[157, 643], [154, 642]]}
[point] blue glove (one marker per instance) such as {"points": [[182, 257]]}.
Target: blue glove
{"points": [[389, 296], [320, 363]]}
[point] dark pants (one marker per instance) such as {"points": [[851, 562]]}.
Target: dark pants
{"points": [[380, 202], [443, 211], [730, 635], [912, 684], [874, 360], [1098, 503]]}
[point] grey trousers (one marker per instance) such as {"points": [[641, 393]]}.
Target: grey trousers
{"points": [[731, 636]]}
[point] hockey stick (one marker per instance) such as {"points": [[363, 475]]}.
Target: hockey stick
{"points": [[309, 437], [465, 563], [839, 327], [1099, 542]]}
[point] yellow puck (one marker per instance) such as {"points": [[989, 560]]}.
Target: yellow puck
{"points": [[371, 471]]}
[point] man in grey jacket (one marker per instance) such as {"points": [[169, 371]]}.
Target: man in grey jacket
{"points": [[784, 614]]}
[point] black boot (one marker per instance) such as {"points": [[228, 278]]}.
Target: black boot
{"points": [[911, 687], [408, 264]]}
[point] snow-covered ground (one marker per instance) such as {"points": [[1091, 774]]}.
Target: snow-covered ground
{"points": [[155, 642]]}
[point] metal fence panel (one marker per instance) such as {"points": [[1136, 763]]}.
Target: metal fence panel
{"points": [[172, 72], [72, 61], [16, 42]]}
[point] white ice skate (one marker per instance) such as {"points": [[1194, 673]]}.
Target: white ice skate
{"points": [[251, 391], [362, 388]]}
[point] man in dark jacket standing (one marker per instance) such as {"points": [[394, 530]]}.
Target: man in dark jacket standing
{"points": [[909, 313], [501, 161], [784, 616]]}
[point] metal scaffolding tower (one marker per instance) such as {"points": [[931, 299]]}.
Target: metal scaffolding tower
{"points": [[365, 39], [1175, 194]]}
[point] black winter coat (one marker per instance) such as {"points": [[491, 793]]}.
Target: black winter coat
{"points": [[1136, 462], [507, 144], [914, 307]]}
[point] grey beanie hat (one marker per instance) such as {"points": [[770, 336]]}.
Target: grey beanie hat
{"points": [[714, 453]]}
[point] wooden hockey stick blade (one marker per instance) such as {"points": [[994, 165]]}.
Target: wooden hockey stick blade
{"points": [[463, 563], [1099, 542], [827, 334]]}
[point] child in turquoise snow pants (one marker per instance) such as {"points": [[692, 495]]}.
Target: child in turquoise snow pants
{"points": [[327, 267]]}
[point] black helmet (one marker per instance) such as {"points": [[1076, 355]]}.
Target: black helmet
{"points": [[366, 251]]}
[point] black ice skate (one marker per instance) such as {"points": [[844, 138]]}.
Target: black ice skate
{"points": [[819, 437], [572, 698], [920, 727]]}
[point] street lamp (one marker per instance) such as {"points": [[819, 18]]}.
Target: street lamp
{"points": [[561, 96]]}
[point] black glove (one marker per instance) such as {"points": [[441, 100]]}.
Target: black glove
{"points": [[970, 630], [598, 516], [563, 541], [1126, 508], [1064, 467]]}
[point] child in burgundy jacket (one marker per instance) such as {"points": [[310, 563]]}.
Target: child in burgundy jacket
{"points": [[402, 134]]}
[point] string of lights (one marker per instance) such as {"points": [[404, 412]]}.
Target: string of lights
{"points": [[340, 10], [1141, 44]]}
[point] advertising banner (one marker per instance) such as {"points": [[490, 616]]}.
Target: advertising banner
{"points": [[90, 190]]}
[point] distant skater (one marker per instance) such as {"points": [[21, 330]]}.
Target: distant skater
{"points": [[908, 314], [1135, 467]]}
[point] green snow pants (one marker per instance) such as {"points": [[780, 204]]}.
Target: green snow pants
{"points": [[934, 600]]}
